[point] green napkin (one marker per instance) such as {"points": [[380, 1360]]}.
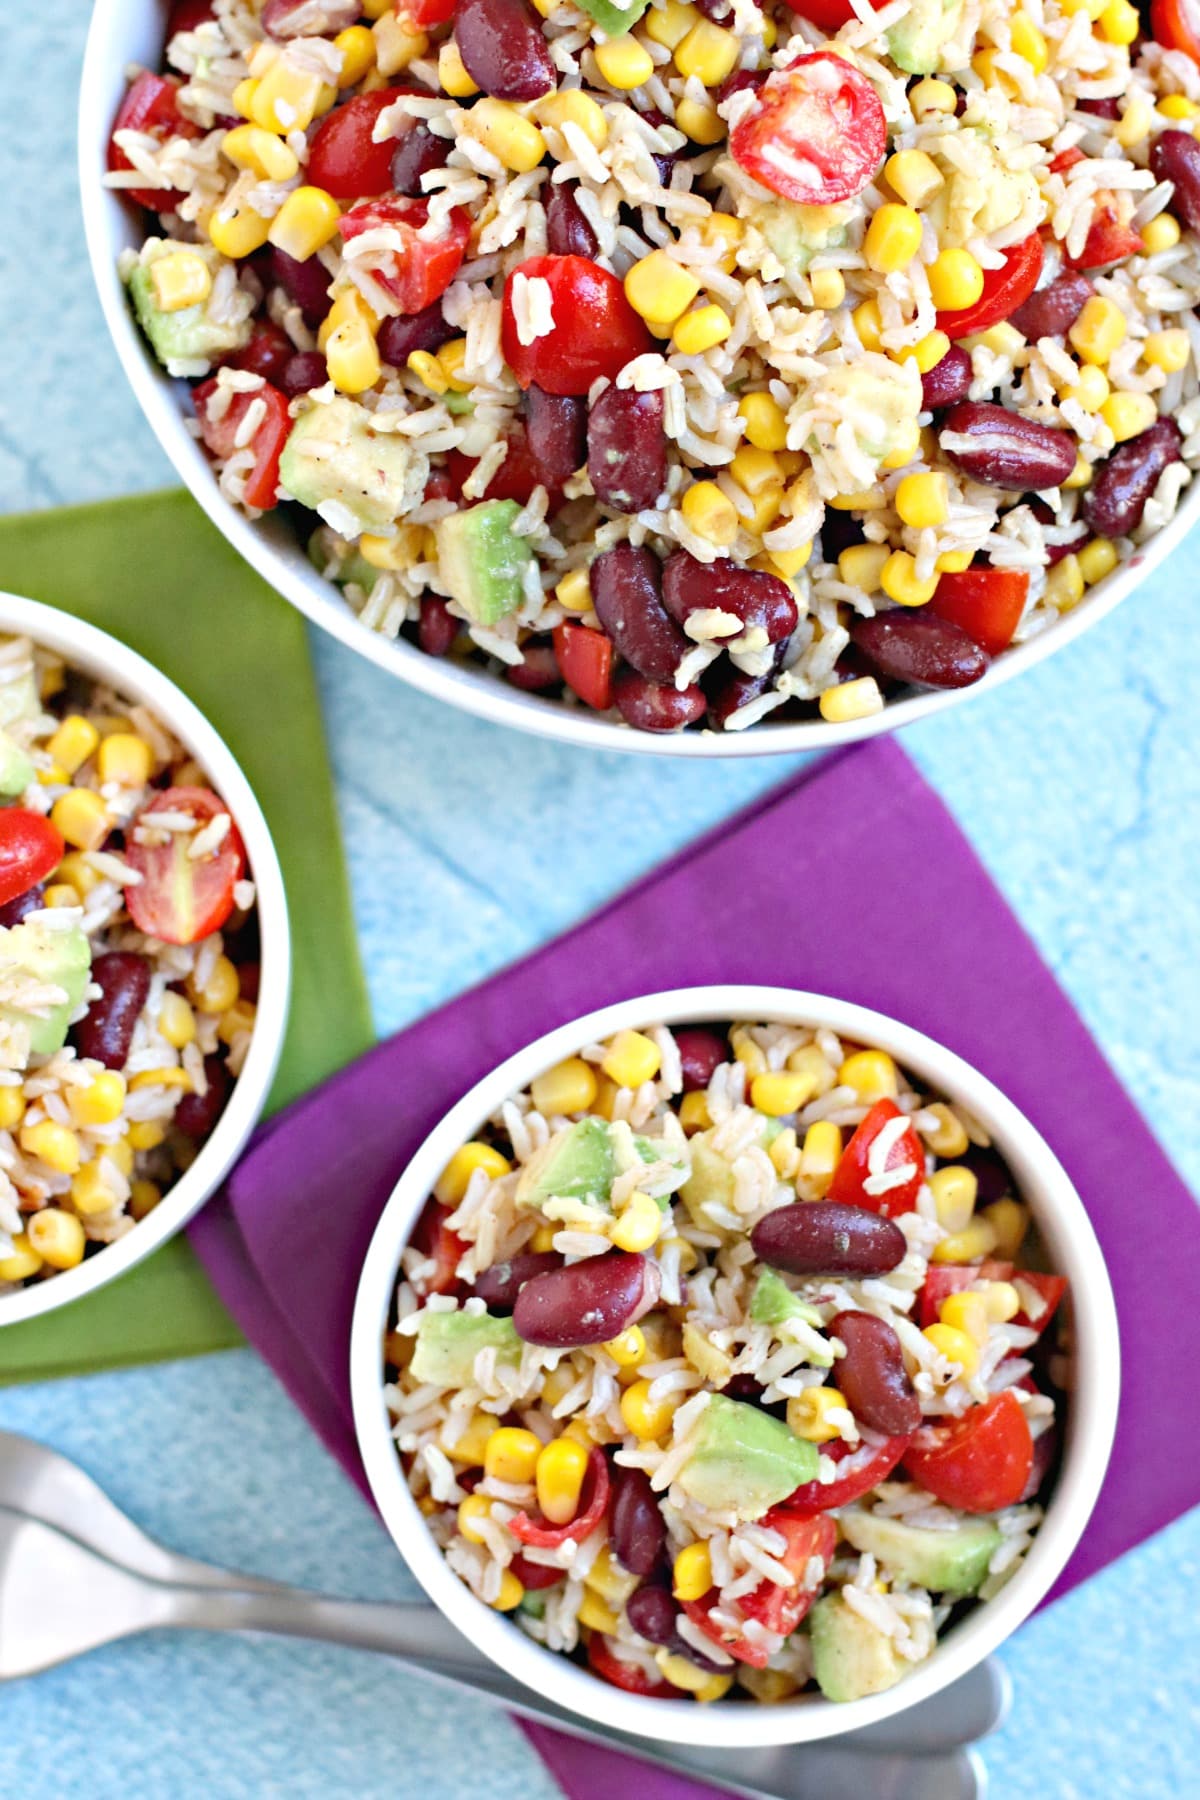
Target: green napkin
{"points": [[155, 573]]}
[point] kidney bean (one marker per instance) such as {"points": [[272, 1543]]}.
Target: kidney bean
{"points": [[1175, 156], [989, 1170], [267, 354], [1004, 448], [308, 18], [947, 381], [729, 689], [625, 584], [1100, 109], [627, 449], [437, 626], [739, 81], [503, 48], [917, 647], [752, 596], [32, 900], [307, 283], [648, 706], [872, 1374], [701, 1052], [418, 151], [839, 531], [1114, 504], [1051, 311], [556, 431], [587, 1302], [499, 1286], [831, 1239], [1056, 552], [567, 231], [196, 1114], [426, 330], [538, 672], [106, 1030], [636, 1524], [716, 10], [302, 372], [651, 1611]]}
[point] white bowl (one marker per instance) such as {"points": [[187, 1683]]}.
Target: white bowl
{"points": [[1070, 1245], [107, 659], [131, 31]]}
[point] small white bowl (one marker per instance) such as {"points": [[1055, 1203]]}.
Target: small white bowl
{"points": [[1091, 1418], [106, 659], [131, 31]]}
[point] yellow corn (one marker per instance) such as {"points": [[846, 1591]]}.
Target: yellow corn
{"points": [[305, 223], [966, 1312], [452, 359], [975, 1240], [471, 1513], [1090, 388], [872, 1074], [955, 280], [745, 1051], [12, 1108], [861, 566], [561, 1466], [511, 1592], [756, 470], [623, 62], [125, 758], [708, 52], [507, 133], [868, 324], [766, 507], [1064, 584], [639, 1225], [90, 1194], [358, 54], [644, 1417], [828, 288], [220, 988], [955, 1346], [351, 358], [790, 562], [609, 1580], [22, 1261], [954, 1189], [121, 1155], [1177, 106], [1028, 42], [349, 305], [923, 500], [1081, 474], [569, 1087], [763, 421], [1009, 1220], [596, 1615], [810, 1060], [702, 124], [778, 1094], [892, 238], [243, 97], [60, 893], [691, 1575], [1001, 1302], [628, 1350], [723, 229], [1161, 233], [682, 1673], [1136, 122], [264, 154], [470, 1447], [144, 1196], [1099, 329], [710, 513], [166, 1077], [73, 743], [1096, 560], [237, 230], [426, 367], [784, 1152], [452, 1183], [914, 176], [928, 353], [102, 1101], [1167, 350], [180, 279], [512, 1454], [452, 73], [930, 97], [57, 1237], [949, 1139], [145, 1134], [631, 1058], [668, 25], [686, 1253], [658, 287], [571, 107], [851, 700], [82, 818], [702, 330], [54, 776], [900, 582], [808, 1414], [694, 1114], [287, 99], [908, 444], [1119, 22], [396, 48], [574, 594], [1127, 415]]}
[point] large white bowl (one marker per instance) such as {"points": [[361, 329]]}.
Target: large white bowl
{"points": [[107, 659], [131, 31], [1091, 1419]]}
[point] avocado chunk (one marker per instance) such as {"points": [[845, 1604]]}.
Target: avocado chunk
{"points": [[482, 562], [915, 41], [613, 20], [709, 1188], [356, 477], [744, 1461], [448, 1343], [188, 342], [576, 1164], [773, 1302], [794, 234], [851, 1658], [19, 695], [946, 1562], [16, 770], [56, 960]]}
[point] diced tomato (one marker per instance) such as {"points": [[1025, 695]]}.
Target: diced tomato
{"points": [[1051, 1288], [779, 1609], [151, 105], [1066, 159], [595, 331], [1175, 24], [181, 898], [1108, 240], [423, 269], [860, 1468], [220, 436], [516, 477], [422, 15], [629, 1676], [1045, 1449], [593, 1504], [943, 1279], [267, 354], [30, 849], [854, 1169], [534, 1575], [585, 662], [185, 15], [816, 132], [986, 603], [978, 1463], [1004, 290], [830, 15], [344, 158], [434, 1239]]}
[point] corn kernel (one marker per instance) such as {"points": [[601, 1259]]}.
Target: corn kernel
{"points": [[1096, 560], [694, 1114], [923, 500], [908, 445], [1127, 415], [668, 25], [571, 107], [358, 54], [623, 62], [287, 99], [90, 1194], [752, 1056], [851, 700], [658, 287], [778, 1094], [692, 1575], [682, 1673], [1001, 1302], [702, 124], [264, 154], [787, 563], [609, 1580], [1119, 22], [644, 1417], [395, 48], [512, 1454], [702, 330], [510, 1593], [1136, 122], [220, 988], [1161, 233], [167, 1077], [593, 1613], [1064, 586], [348, 305], [1028, 42], [724, 230], [872, 1074], [1081, 474], [865, 500], [305, 223], [1009, 1220], [1090, 389], [628, 1350], [22, 1261], [125, 758], [102, 1101], [561, 1467], [966, 1312], [631, 1058], [955, 280], [426, 367], [452, 359], [452, 1183], [1099, 329], [470, 1446], [145, 1134], [828, 288], [639, 1225], [914, 176], [763, 421], [686, 1253], [710, 513], [351, 358], [975, 1240], [453, 78], [60, 893], [82, 818], [784, 1152], [606, 1094], [243, 97], [144, 1196], [930, 97], [569, 1087], [868, 324], [954, 1189], [948, 1138], [1177, 106], [237, 230], [1167, 350], [955, 1346], [57, 1237], [12, 1107], [808, 1414], [900, 582], [708, 52], [507, 133], [574, 594], [861, 565], [53, 776], [471, 1514], [892, 238]]}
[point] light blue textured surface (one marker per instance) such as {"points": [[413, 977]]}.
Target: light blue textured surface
{"points": [[1079, 785]]}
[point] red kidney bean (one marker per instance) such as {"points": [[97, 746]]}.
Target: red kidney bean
{"points": [[538, 672], [627, 449], [418, 151], [1005, 448], [267, 354], [1101, 109], [308, 18], [625, 584], [106, 1030], [716, 10], [499, 1286], [302, 372], [196, 1114], [739, 81], [503, 48], [752, 596], [947, 381], [567, 231], [872, 1374], [1175, 156], [32, 900], [701, 1053], [839, 531], [917, 647], [830, 1239], [1056, 552], [307, 283], [556, 432], [635, 1522], [1116, 500], [587, 1302], [437, 626], [728, 689], [426, 330], [651, 1611], [1052, 310], [989, 1170], [647, 706]]}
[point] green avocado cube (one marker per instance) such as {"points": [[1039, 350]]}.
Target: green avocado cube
{"points": [[744, 1461], [915, 41], [851, 1657], [946, 1562], [773, 1302], [16, 770], [191, 336], [356, 477], [613, 20], [482, 561], [448, 1343], [577, 1164], [50, 957]]}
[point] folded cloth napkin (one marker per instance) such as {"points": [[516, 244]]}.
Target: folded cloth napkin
{"points": [[761, 899]]}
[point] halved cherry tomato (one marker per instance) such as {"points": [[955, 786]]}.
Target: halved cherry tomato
{"points": [[593, 1504], [1108, 240], [986, 603], [534, 1575], [1004, 290], [1175, 24], [815, 134], [629, 1676], [595, 331], [150, 105], [830, 15], [1066, 159], [860, 1468], [344, 158], [854, 1169], [422, 269], [434, 1238], [516, 477], [185, 15], [942, 1280], [779, 1609], [181, 898], [267, 354], [980, 1462], [423, 14], [220, 436], [30, 849], [585, 662]]}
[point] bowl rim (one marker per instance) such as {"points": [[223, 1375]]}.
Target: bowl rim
{"points": [[119, 32], [1091, 1421], [97, 653]]}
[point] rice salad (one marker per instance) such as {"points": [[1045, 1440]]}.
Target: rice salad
{"points": [[128, 963], [720, 1361], [693, 363]]}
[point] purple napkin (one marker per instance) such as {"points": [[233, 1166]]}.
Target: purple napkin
{"points": [[757, 900]]}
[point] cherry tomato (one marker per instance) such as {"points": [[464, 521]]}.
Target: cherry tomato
{"points": [[860, 1468], [181, 898], [516, 477], [185, 15], [830, 15], [423, 269], [220, 436], [595, 331], [434, 1238], [816, 132], [30, 848], [267, 354], [1175, 24], [979, 1463], [585, 662], [942, 1280], [629, 1676], [854, 1169], [150, 105], [344, 158], [421, 15], [987, 603], [779, 1609], [593, 1504], [535, 1576], [1003, 290], [1108, 240], [1066, 159]]}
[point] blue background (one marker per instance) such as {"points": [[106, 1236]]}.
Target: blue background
{"points": [[1078, 784]]}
